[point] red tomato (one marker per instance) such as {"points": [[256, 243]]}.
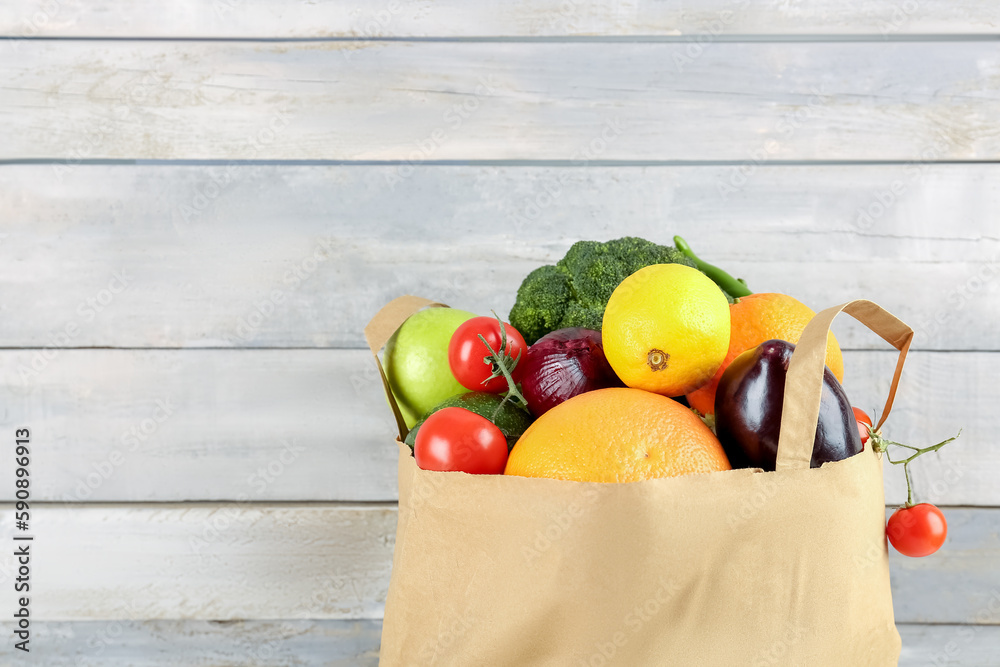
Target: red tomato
{"points": [[457, 439], [864, 423], [466, 353], [917, 531]]}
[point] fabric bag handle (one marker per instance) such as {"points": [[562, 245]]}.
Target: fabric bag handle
{"points": [[378, 332], [804, 379]]}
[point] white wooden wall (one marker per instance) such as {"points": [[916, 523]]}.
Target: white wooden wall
{"points": [[201, 204]]}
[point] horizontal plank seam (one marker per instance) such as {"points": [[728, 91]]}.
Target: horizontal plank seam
{"points": [[541, 163], [369, 617], [946, 625], [334, 621], [776, 38], [290, 504], [347, 621], [173, 619], [212, 504]]}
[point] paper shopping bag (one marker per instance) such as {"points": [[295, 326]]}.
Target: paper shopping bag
{"points": [[741, 567]]}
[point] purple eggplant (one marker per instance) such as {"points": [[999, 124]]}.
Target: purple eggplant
{"points": [[748, 410]]}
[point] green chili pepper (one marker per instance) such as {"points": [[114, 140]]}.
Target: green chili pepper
{"points": [[735, 287]]}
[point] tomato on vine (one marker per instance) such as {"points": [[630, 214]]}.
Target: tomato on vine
{"points": [[917, 531], [478, 349], [914, 529]]}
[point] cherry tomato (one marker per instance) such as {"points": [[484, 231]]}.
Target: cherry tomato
{"points": [[457, 439], [864, 423], [466, 353], [917, 531]]}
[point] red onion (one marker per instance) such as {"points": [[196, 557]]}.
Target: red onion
{"points": [[562, 364]]}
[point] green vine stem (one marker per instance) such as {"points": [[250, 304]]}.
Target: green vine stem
{"points": [[502, 364], [881, 444], [735, 287]]}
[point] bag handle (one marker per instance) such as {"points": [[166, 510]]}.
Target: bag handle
{"points": [[378, 332], [804, 380]]}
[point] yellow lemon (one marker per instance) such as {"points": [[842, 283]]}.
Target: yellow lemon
{"points": [[666, 329]]}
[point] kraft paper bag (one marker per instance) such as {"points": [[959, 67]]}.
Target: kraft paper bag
{"points": [[741, 567]]}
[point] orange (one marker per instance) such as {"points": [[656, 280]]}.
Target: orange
{"points": [[666, 329], [616, 435], [755, 319]]}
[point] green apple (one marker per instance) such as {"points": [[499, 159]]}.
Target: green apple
{"points": [[416, 361]]}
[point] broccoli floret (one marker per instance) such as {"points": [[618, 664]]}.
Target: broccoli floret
{"points": [[541, 302], [579, 315], [574, 292]]}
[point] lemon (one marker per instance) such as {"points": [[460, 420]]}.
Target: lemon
{"points": [[666, 329], [416, 361]]}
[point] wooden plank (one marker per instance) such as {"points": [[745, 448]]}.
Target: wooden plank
{"points": [[204, 425], [205, 266], [335, 643], [341, 643], [254, 561], [453, 18], [72, 100], [939, 393], [296, 425], [961, 579], [212, 562], [288, 643], [939, 645]]}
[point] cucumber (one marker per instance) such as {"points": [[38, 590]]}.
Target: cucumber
{"points": [[511, 420]]}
